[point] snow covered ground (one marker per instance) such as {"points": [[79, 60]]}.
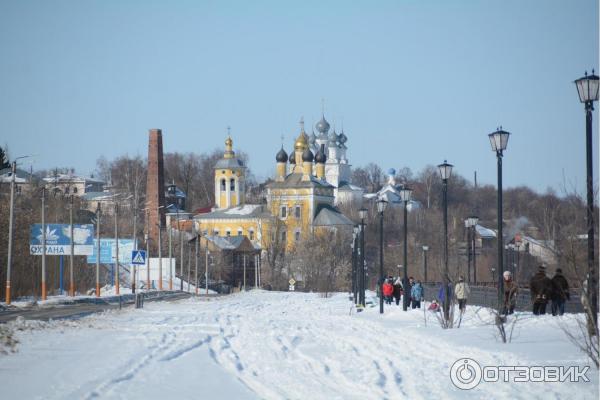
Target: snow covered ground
{"points": [[271, 345]]}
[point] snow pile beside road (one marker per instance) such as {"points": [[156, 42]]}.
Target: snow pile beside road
{"points": [[269, 345]]}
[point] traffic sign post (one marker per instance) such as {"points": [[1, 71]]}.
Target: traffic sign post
{"points": [[138, 257]]}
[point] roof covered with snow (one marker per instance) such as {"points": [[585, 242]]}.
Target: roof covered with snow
{"points": [[245, 211]]}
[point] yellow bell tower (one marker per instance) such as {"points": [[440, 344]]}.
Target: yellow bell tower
{"points": [[230, 179]]}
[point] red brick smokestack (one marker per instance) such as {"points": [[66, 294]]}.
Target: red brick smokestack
{"points": [[155, 187]]}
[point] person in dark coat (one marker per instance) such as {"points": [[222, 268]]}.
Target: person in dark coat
{"points": [[397, 290], [541, 290], [411, 282], [560, 293]]}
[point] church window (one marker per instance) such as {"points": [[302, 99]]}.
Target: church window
{"points": [[297, 236], [251, 234], [223, 185], [215, 232], [240, 232], [283, 212], [283, 236], [232, 184], [228, 232], [297, 212], [75, 189]]}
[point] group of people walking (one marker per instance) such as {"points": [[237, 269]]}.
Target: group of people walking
{"points": [[393, 289], [542, 288]]}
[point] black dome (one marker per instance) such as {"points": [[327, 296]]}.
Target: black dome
{"points": [[281, 156], [321, 157], [307, 156], [292, 158]]}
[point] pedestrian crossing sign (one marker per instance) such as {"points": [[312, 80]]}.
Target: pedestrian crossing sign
{"points": [[138, 257]]}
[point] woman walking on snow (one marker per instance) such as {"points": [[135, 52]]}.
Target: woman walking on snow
{"points": [[462, 291], [397, 290]]}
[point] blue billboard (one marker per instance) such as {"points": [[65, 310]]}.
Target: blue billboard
{"points": [[108, 251], [58, 239]]}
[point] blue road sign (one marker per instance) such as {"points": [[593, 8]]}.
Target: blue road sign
{"points": [[138, 257]]}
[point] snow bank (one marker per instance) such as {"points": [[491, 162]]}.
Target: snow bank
{"points": [[269, 345]]}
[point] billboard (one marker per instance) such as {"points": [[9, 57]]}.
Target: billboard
{"points": [[108, 250], [58, 239]]}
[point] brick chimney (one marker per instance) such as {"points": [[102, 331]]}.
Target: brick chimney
{"points": [[155, 188]]}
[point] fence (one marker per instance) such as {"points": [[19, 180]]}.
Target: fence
{"points": [[487, 296]]}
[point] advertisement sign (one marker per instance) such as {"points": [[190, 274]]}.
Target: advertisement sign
{"points": [[58, 239], [108, 250]]}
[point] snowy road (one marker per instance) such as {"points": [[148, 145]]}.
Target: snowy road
{"points": [[278, 346]]}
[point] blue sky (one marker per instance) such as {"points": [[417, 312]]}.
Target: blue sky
{"points": [[413, 82]]}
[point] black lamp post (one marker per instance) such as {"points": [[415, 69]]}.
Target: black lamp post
{"points": [[499, 140], [354, 263], [587, 88], [472, 222], [445, 173], [405, 195], [381, 206], [425, 250], [362, 213]]}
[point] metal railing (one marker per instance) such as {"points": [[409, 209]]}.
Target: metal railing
{"points": [[487, 296]]}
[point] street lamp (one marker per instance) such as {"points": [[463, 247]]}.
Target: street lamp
{"points": [[445, 173], [587, 88], [499, 140], [471, 223], [381, 206], [362, 213], [355, 231], [405, 196], [425, 250]]}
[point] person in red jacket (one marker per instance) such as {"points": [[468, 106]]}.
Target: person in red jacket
{"points": [[388, 291]]}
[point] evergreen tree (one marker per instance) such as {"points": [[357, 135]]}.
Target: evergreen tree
{"points": [[4, 163]]}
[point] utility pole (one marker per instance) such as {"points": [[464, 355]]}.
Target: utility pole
{"points": [[196, 263], [189, 277], [10, 230], [134, 266], [170, 256], [244, 272], [147, 223], [160, 277], [206, 268], [98, 213], [71, 259], [44, 295], [255, 273], [117, 247]]}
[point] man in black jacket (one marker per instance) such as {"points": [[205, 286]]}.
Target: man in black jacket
{"points": [[541, 289], [560, 293]]}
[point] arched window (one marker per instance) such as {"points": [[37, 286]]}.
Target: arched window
{"points": [[251, 234], [240, 232], [232, 184], [297, 235], [228, 232], [223, 185]]}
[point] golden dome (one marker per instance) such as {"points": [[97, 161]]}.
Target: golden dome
{"points": [[301, 141], [229, 153]]}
